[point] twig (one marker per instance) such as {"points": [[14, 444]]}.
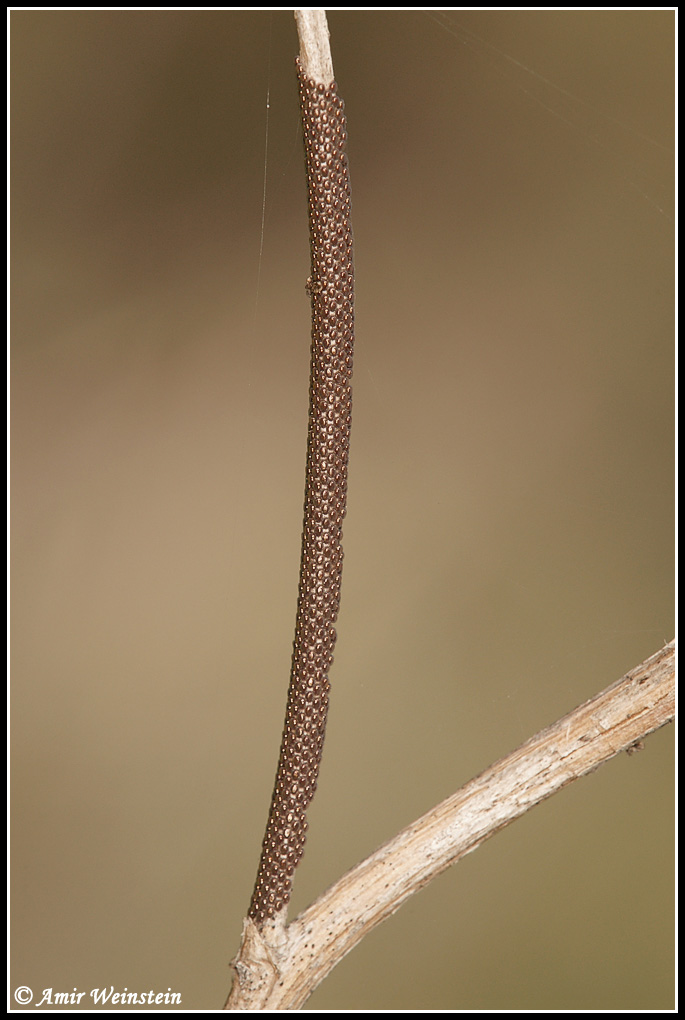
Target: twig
{"points": [[315, 50], [278, 968], [331, 289]]}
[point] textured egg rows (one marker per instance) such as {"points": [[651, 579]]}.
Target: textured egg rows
{"points": [[331, 289]]}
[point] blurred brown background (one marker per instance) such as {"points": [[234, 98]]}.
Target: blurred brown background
{"points": [[509, 539]]}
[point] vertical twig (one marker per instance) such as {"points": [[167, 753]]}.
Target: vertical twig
{"points": [[331, 289], [315, 50]]}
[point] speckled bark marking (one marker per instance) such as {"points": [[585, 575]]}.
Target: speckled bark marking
{"points": [[331, 290]]}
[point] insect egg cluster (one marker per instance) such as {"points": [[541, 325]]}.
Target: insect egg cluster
{"points": [[331, 289]]}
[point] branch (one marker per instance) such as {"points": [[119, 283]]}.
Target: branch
{"points": [[279, 967], [315, 50], [331, 291]]}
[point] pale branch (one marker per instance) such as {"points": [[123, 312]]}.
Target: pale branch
{"points": [[315, 49], [280, 966]]}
